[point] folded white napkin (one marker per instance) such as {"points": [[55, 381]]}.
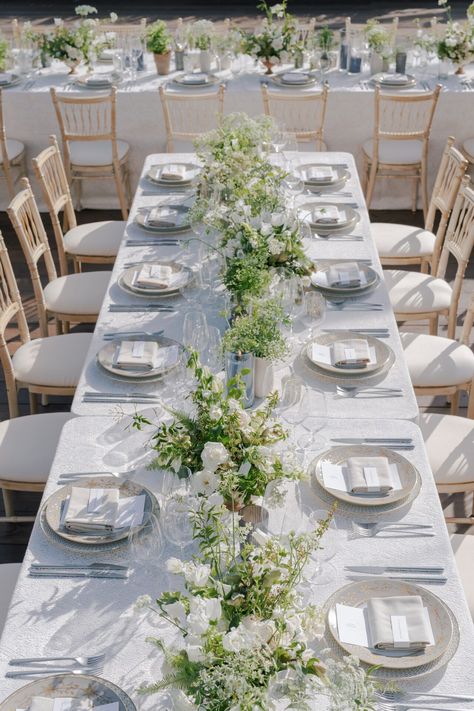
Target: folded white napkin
{"points": [[95, 79], [294, 78], [196, 78], [154, 276], [5, 78], [91, 509], [319, 174], [393, 78], [328, 215], [369, 474], [352, 352], [161, 217], [136, 355], [173, 171], [398, 623], [344, 274], [39, 703]]}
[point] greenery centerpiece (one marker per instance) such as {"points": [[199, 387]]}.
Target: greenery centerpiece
{"points": [[457, 43], [4, 47], [379, 41], [159, 41], [277, 37]]}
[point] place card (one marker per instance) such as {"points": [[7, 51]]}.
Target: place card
{"points": [[325, 354], [336, 476], [321, 278]]}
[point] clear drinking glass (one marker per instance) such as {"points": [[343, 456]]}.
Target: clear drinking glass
{"points": [[195, 330], [176, 522], [319, 570], [146, 542], [313, 315], [213, 356], [313, 404], [293, 186], [193, 289]]}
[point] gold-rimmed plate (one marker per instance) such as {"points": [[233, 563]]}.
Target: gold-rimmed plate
{"points": [[389, 81], [407, 472], [181, 276], [340, 177], [75, 686], [54, 506], [154, 172], [348, 217], [106, 360], [382, 353], [180, 218], [372, 279], [357, 593], [196, 82], [108, 82], [307, 79]]}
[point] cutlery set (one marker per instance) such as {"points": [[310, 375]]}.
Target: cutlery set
{"points": [[112, 397], [40, 666], [130, 335], [94, 570], [371, 529], [131, 308], [389, 442], [376, 332], [349, 391], [155, 242]]}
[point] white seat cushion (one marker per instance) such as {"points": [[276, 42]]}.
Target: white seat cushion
{"points": [[14, 148], [30, 463], [436, 361], [101, 239], [450, 447], [77, 293], [95, 152], [394, 240], [56, 361], [412, 292], [463, 549], [468, 147], [396, 152], [8, 575]]}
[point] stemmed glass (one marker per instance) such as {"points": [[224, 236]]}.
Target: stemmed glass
{"points": [[313, 314], [291, 292], [146, 542], [193, 289], [319, 570], [293, 185], [176, 522], [314, 407], [212, 356], [195, 330]]}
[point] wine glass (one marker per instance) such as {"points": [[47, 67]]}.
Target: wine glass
{"points": [[293, 185], [313, 403], [146, 543], [194, 287], [292, 391], [212, 356], [313, 314], [195, 330], [319, 571], [176, 522]]}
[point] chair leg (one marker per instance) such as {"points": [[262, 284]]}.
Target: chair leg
{"points": [[66, 326], [424, 267], [8, 503], [470, 407], [414, 203], [120, 191], [33, 403], [44, 400], [455, 403], [59, 326], [434, 326], [371, 183], [424, 188]]}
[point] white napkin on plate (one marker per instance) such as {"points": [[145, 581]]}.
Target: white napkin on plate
{"points": [[98, 79], [197, 78], [352, 352], [393, 78], [161, 217], [91, 509], [40, 703], [5, 78], [369, 474], [154, 276], [319, 174], [173, 171], [345, 274], [294, 78], [398, 623], [136, 355], [328, 215]]}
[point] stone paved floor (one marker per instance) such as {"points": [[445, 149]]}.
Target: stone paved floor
{"points": [[14, 537]]}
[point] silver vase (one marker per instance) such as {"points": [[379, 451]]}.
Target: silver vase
{"points": [[235, 364]]}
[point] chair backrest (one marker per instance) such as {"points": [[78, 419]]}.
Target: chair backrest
{"points": [[468, 323], [404, 116], [86, 119], [51, 175], [451, 171], [459, 243], [11, 309], [188, 115], [302, 114], [26, 220]]}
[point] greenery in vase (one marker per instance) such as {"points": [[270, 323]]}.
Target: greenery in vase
{"points": [[158, 38], [378, 38], [201, 34], [3, 53], [226, 448], [258, 331], [325, 39], [277, 37]]}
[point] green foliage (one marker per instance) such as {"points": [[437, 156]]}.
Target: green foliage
{"points": [[158, 38], [258, 332]]}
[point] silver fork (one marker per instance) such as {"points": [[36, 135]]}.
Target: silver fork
{"points": [[371, 529], [92, 660], [406, 695], [46, 671], [407, 707]]}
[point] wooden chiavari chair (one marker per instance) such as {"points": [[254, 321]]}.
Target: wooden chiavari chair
{"points": [[402, 245], [13, 155], [399, 147], [74, 298], [45, 365], [302, 115], [94, 242], [416, 296], [91, 148], [187, 116]]}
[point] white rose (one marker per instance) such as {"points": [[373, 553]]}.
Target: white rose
{"points": [[174, 565], [278, 219], [213, 455], [274, 246], [215, 412], [197, 574], [195, 653], [176, 611], [204, 482], [277, 44], [266, 229], [236, 640]]}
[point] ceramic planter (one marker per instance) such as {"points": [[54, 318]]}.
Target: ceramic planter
{"points": [[235, 364], [205, 59], [263, 377], [163, 62]]}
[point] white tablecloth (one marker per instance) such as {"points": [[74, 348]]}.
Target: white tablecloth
{"points": [[59, 616], [94, 379], [349, 122]]}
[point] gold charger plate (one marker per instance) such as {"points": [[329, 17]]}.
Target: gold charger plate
{"points": [[385, 83], [357, 593], [212, 79], [342, 175], [382, 353], [53, 508], [106, 358], [153, 175], [407, 472], [277, 79], [182, 221], [99, 691], [352, 217], [126, 281], [371, 276]]}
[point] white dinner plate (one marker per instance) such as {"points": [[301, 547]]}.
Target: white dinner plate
{"points": [[182, 223], [106, 360], [383, 353], [127, 281], [371, 276], [154, 172]]}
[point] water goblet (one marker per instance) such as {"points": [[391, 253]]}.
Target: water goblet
{"points": [[195, 330], [146, 543], [313, 403], [193, 289]]}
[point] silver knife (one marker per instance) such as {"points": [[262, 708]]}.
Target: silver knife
{"points": [[429, 570], [146, 396], [72, 566], [116, 400], [77, 573], [373, 440]]}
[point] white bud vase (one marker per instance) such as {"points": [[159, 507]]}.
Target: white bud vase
{"points": [[263, 377], [205, 60], [376, 63]]}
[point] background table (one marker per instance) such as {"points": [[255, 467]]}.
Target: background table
{"points": [[94, 379], [67, 615], [30, 117]]}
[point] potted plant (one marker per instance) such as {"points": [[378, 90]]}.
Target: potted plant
{"points": [[379, 42], [201, 35], [159, 41], [276, 39], [258, 333]]}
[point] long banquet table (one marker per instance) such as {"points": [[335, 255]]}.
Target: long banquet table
{"points": [[94, 380], [62, 616], [29, 117]]}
